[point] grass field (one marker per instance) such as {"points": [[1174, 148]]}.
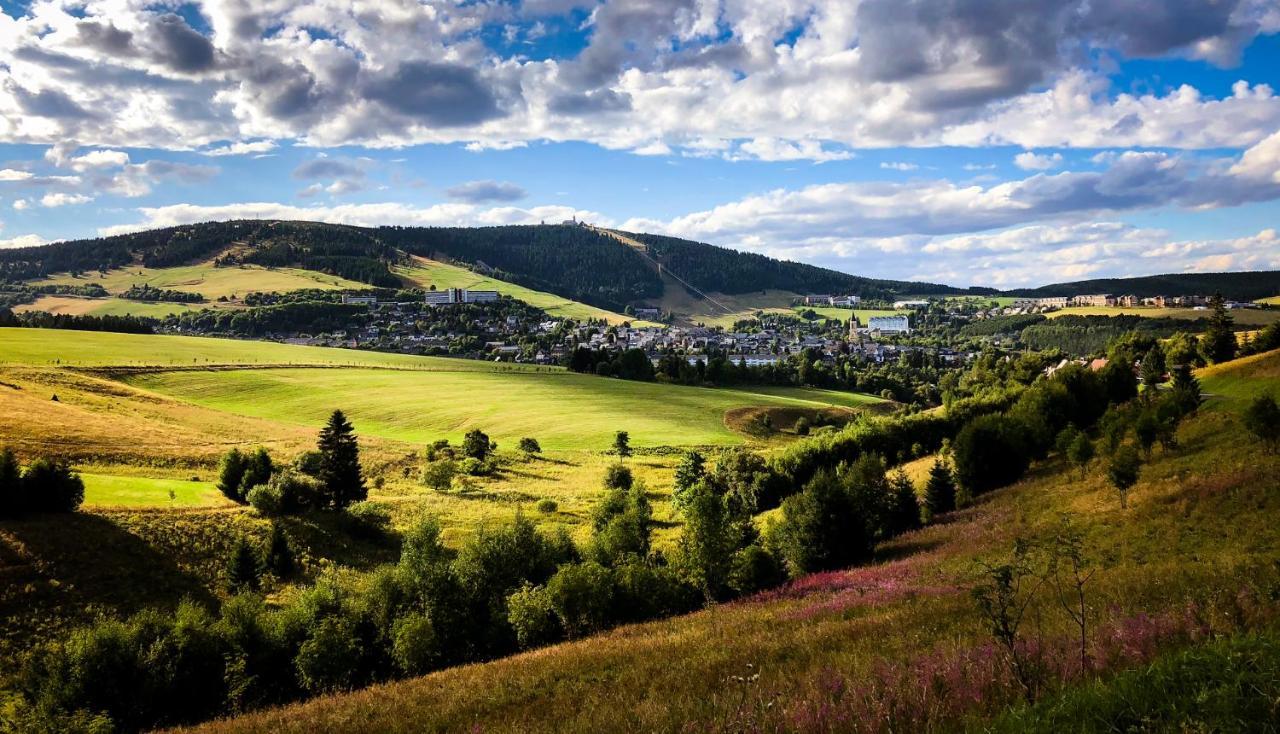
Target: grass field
{"points": [[77, 306], [1192, 558], [1273, 300], [843, 314], [95, 349], [562, 410], [209, 280], [1249, 317], [107, 490], [425, 273]]}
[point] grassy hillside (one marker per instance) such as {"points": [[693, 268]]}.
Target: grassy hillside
{"points": [[1239, 286], [208, 279], [1248, 317], [899, 645], [424, 273]]}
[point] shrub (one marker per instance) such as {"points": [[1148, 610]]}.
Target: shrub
{"points": [[267, 500], [989, 453], [822, 528], [310, 463], [622, 524], [1262, 418], [530, 446], [231, 474], [582, 596], [51, 486], [258, 468], [476, 445], [325, 660], [617, 476], [531, 615], [802, 426], [367, 520], [414, 647], [439, 474], [475, 467], [754, 569], [547, 506]]}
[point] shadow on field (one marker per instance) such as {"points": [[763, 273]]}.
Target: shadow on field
{"points": [[59, 571]]}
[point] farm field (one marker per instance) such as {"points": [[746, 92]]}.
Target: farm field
{"points": [[843, 314], [1248, 317], [1191, 559], [208, 279], [1273, 300], [564, 411], [425, 273], [79, 306]]}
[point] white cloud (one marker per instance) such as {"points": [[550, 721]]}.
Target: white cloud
{"points": [[21, 204], [260, 146], [899, 166], [99, 159], [61, 199], [11, 174], [26, 240], [364, 215], [1030, 161]]}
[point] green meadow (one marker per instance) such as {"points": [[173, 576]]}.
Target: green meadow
{"points": [[208, 279], [561, 409], [107, 490]]}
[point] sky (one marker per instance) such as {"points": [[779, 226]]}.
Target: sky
{"points": [[1000, 143]]}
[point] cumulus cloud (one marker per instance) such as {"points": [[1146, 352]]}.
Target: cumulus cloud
{"points": [[60, 199], [244, 148], [364, 215], [803, 79], [26, 240], [898, 166], [1030, 161], [480, 192]]}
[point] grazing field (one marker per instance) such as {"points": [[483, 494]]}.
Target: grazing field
{"points": [[1191, 559], [107, 490], [1245, 316], [425, 273], [79, 306], [563, 410], [98, 349], [208, 279]]}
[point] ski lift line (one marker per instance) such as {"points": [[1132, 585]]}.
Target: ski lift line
{"points": [[644, 252]]}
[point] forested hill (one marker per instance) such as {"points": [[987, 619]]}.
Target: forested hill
{"points": [[1237, 286], [571, 261], [721, 270]]}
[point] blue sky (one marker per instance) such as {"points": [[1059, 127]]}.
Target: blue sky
{"points": [[1029, 143]]}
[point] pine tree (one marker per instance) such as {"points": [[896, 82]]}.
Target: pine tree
{"points": [[1153, 364], [340, 463], [622, 444], [940, 492], [242, 567], [1185, 391], [1219, 338], [278, 557], [904, 507], [690, 469], [231, 473]]}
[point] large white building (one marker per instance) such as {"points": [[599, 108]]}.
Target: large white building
{"points": [[452, 296], [889, 324]]}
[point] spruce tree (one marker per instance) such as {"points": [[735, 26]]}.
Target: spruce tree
{"points": [[278, 557], [340, 463], [231, 473], [242, 567], [622, 444], [940, 492], [1153, 364], [1219, 338]]}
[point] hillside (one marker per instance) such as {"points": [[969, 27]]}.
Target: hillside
{"points": [[899, 645], [1236, 286]]}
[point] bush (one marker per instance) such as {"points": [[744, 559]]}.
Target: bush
{"points": [[622, 523], [231, 474], [475, 467], [547, 506], [530, 446], [51, 486], [476, 445], [439, 474], [267, 500], [258, 468], [989, 452], [531, 615], [414, 646], [582, 596], [1262, 418], [310, 463], [367, 520], [754, 569], [325, 660], [617, 476], [822, 528]]}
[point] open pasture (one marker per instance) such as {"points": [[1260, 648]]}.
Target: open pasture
{"points": [[562, 410], [424, 273], [110, 490], [208, 279]]}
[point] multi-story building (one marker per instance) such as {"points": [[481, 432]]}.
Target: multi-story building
{"points": [[453, 296]]}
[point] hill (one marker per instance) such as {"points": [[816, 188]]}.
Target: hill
{"points": [[1246, 286], [900, 645]]}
